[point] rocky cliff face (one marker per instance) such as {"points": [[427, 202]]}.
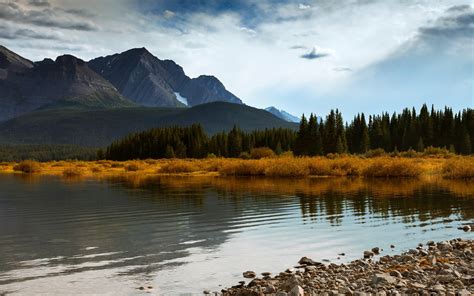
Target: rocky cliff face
{"points": [[149, 81], [26, 86]]}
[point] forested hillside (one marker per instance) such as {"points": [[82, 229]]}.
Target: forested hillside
{"points": [[399, 132]]}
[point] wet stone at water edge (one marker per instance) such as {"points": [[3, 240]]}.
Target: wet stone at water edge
{"points": [[444, 268]]}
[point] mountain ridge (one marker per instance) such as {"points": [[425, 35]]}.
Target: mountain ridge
{"points": [[26, 86], [150, 81]]}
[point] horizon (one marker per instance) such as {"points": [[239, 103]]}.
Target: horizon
{"points": [[299, 56]]}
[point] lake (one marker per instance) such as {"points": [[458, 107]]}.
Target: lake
{"points": [[183, 235]]}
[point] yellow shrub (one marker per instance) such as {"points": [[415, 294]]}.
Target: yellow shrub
{"points": [[73, 172], [133, 167], [261, 152], [242, 168], [96, 169], [459, 168], [287, 168], [179, 166], [392, 167], [319, 166], [28, 166]]}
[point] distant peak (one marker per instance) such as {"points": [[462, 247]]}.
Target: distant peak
{"points": [[139, 51], [69, 59]]}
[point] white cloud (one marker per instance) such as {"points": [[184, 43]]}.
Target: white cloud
{"points": [[303, 6], [256, 62]]}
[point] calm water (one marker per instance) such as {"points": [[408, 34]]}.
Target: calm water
{"points": [[184, 235]]}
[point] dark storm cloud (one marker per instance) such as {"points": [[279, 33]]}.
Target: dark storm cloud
{"points": [[44, 17], [458, 22]]}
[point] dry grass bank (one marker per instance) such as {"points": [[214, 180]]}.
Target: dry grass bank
{"points": [[455, 167]]}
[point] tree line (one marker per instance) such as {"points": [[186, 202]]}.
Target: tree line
{"points": [[315, 136], [398, 132], [192, 142]]}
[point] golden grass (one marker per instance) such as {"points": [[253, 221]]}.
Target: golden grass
{"points": [[285, 166], [179, 166], [459, 168], [393, 167]]}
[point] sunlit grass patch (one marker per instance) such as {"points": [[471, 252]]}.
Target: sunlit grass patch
{"points": [[393, 167], [459, 168]]}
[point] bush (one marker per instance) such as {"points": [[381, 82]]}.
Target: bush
{"points": [[244, 155], [133, 167], [151, 161], [96, 169], [72, 172], [287, 154], [375, 153], [243, 168], [287, 168], [28, 166], [179, 166], [261, 152], [459, 168], [346, 167], [117, 165], [410, 153], [436, 151], [392, 167], [211, 156]]}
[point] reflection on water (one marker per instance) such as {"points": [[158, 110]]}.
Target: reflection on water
{"points": [[183, 235]]}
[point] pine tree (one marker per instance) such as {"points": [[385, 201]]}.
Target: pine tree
{"points": [[169, 153], [466, 147]]}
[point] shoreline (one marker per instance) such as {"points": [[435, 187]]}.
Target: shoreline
{"points": [[443, 268], [455, 167]]}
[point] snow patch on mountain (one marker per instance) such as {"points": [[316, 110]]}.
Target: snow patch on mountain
{"points": [[181, 98]]}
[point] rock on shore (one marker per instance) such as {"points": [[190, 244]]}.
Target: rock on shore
{"points": [[444, 268]]}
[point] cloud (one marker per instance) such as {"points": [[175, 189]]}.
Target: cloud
{"points": [[342, 69], [459, 22], [7, 32], [39, 3], [303, 6], [459, 8], [316, 53], [44, 17], [298, 47]]}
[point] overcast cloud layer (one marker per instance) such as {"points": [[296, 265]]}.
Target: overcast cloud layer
{"points": [[355, 55]]}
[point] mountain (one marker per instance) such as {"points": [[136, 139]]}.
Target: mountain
{"points": [[26, 86], [282, 114], [101, 127], [149, 81]]}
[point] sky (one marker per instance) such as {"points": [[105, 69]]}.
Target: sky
{"points": [[301, 56]]}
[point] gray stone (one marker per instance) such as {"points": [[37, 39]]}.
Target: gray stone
{"points": [[308, 261], [395, 273], [249, 274], [296, 291], [383, 279], [368, 254]]}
